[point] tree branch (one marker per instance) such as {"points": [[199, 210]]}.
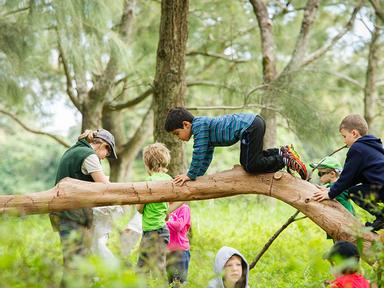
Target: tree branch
{"points": [[378, 9], [339, 75], [75, 99], [191, 83], [16, 11], [39, 132], [142, 132], [105, 81], [202, 108], [370, 89], [148, 92], [321, 51], [130, 103], [302, 40], [217, 56], [69, 193], [273, 238], [267, 41]]}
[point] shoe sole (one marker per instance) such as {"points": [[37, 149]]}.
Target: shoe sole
{"points": [[291, 151]]}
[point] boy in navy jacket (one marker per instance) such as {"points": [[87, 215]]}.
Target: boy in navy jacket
{"points": [[363, 173]]}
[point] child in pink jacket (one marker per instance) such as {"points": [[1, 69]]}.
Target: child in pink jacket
{"points": [[178, 256]]}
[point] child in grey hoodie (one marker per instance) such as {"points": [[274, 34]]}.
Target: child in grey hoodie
{"points": [[231, 269]]}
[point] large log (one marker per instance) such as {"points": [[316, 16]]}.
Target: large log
{"points": [[71, 194]]}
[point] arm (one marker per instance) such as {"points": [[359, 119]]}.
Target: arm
{"points": [[174, 206], [202, 152], [140, 208], [178, 222], [99, 176], [92, 166], [207, 161], [349, 174]]}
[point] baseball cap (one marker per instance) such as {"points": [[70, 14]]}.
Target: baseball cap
{"points": [[328, 162], [107, 137], [344, 250]]}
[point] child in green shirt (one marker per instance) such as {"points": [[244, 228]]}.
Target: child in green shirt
{"points": [[329, 171], [153, 245]]}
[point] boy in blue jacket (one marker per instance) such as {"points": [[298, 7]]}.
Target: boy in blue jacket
{"points": [[363, 173], [226, 130]]}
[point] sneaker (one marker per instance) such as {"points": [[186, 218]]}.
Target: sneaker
{"points": [[376, 225], [288, 151], [293, 162]]}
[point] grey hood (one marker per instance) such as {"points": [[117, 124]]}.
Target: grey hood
{"points": [[221, 258]]}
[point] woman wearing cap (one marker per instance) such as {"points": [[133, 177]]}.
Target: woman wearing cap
{"points": [[81, 161]]}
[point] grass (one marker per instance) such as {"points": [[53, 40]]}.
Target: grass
{"points": [[30, 254]]}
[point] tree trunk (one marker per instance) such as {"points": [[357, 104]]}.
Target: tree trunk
{"points": [[128, 150], [269, 69], [91, 114], [169, 83], [370, 90], [330, 215]]}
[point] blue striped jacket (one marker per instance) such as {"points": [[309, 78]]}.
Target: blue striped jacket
{"points": [[209, 133]]}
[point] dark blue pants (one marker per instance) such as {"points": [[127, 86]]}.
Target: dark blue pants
{"points": [[252, 156], [177, 265]]}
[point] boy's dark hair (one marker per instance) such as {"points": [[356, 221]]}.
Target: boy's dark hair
{"points": [[347, 251], [354, 122], [175, 118]]}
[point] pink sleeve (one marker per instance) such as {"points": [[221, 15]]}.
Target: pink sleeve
{"points": [[179, 219]]}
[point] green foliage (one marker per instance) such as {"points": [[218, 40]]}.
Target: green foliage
{"points": [[30, 252], [27, 167]]}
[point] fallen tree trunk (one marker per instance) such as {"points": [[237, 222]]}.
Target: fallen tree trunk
{"points": [[331, 216]]}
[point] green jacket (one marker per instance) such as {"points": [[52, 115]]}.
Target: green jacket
{"points": [[70, 166], [343, 199]]}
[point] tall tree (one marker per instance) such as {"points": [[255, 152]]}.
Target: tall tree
{"points": [[92, 41], [371, 78], [300, 57], [170, 84]]}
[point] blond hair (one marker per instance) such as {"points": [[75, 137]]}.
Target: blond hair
{"points": [[156, 157], [354, 122], [89, 136]]}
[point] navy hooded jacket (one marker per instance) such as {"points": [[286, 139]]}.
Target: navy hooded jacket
{"points": [[364, 164]]}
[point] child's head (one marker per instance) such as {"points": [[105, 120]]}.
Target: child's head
{"points": [[328, 170], [344, 258], [156, 158], [352, 127], [232, 266], [233, 270], [179, 123]]}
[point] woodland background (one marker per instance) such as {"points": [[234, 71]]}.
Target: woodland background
{"points": [[302, 65]]}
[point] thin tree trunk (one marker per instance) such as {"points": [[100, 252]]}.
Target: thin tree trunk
{"points": [[330, 215], [269, 69], [273, 238], [169, 82], [127, 151], [370, 90]]}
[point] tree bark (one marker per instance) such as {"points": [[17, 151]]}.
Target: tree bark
{"points": [[370, 89], [330, 215], [170, 83], [127, 151], [269, 69]]}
